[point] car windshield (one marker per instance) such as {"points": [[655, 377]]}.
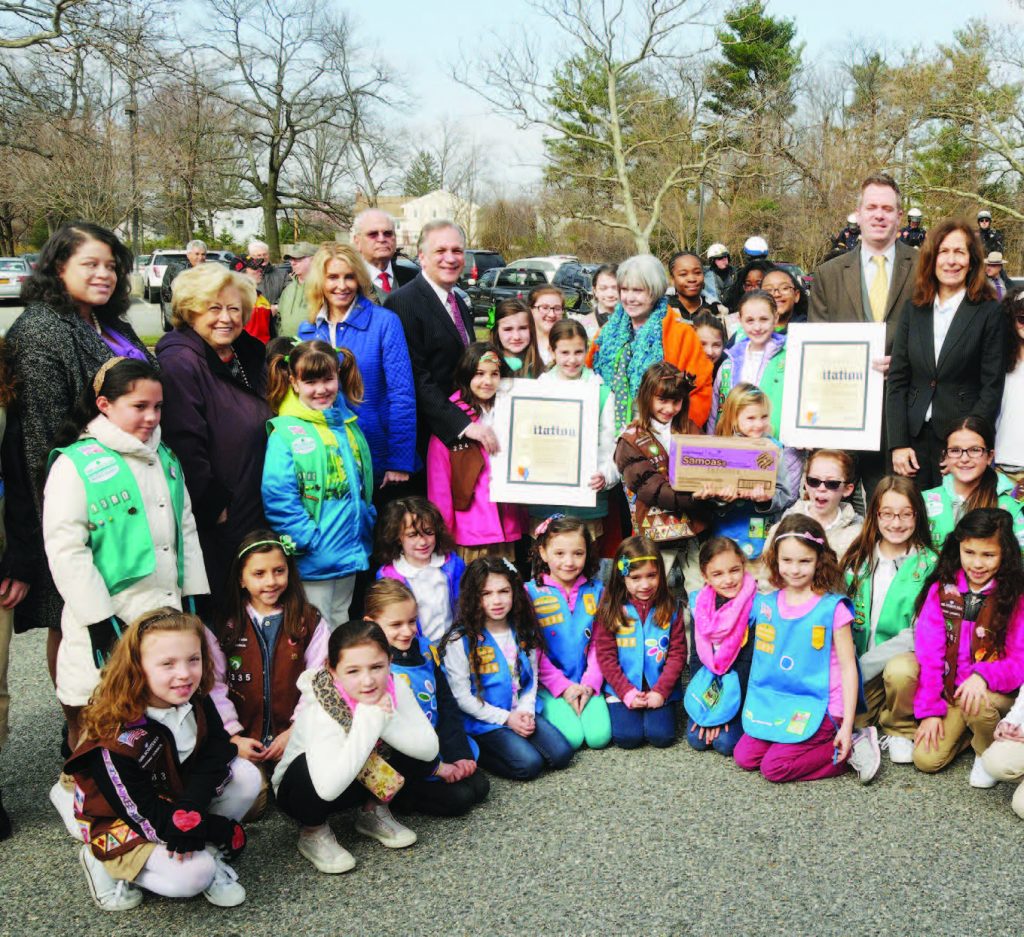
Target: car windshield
{"points": [[9, 265], [164, 259], [520, 278]]}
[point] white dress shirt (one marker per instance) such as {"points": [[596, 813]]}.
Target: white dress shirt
{"points": [[942, 318], [375, 272], [181, 721], [430, 587], [869, 269]]}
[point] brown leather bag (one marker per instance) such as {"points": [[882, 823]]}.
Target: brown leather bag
{"points": [[951, 603]]}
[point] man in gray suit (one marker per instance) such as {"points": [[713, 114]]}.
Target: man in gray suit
{"points": [[870, 283]]}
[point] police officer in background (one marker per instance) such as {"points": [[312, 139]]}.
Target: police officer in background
{"points": [[991, 239], [849, 237], [719, 274], [913, 234]]}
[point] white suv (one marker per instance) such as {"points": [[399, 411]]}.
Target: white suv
{"points": [[547, 265]]}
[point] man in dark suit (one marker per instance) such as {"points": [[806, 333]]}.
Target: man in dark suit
{"points": [[870, 283], [438, 326], [373, 235]]}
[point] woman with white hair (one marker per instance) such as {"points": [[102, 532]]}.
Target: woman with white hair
{"points": [[643, 331]]}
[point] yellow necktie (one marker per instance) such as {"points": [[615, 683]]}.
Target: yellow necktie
{"points": [[878, 295]]}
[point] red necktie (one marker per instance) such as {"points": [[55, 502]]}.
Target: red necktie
{"points": [[385, 283], [453, 309]]}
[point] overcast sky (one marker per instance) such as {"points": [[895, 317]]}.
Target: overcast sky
{"points": [[423, 40]]}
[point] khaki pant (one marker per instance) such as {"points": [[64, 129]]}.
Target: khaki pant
{"points": [[955, 725], [1004, 759], [501, 550], [890, 698]]}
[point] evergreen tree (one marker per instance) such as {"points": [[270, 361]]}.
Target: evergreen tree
{"points": [[423, 175]]}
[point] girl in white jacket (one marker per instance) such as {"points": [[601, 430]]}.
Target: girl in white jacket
{"points": [[331, 762], [118, 528]]}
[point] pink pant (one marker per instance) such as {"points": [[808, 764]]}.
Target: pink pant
{"points": [[791, 761]]}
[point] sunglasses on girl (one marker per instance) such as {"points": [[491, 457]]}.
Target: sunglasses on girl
{"points": [[832, 484]]}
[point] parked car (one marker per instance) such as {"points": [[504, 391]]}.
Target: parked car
{"points": [[32, 259], [576, 276], [141, 262], [549, 265], [511, 283], [478, 262], [13, 272], [158, 263]]}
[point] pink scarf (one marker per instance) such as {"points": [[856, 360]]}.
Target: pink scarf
{"points": [[725, 627]]}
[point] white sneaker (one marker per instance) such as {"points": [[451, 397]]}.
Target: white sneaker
{"points": [[866, 755], [225, 891], [321, 848], [110, 894], [63, 799], [901, 750], [380, 825], [980, 776]]}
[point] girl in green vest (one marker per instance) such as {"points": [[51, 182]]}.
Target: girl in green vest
{"points": [[972, 481], [117, 525], [759, 358], [317, 475], [885, 568]]}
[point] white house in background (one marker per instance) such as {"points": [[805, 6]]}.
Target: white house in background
{"points": [[416, 212], [242, 224]]}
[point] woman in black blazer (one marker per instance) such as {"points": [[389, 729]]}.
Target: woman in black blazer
{"points": [[948, 357]]}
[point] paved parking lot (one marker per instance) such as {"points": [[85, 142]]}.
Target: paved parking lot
{"points": [[647, 842]]}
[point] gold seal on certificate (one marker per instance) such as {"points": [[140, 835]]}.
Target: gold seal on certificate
{"points": [[832, 395], [547, 437]]}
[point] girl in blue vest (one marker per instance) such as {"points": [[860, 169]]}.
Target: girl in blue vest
{"points": [[722, 649], [317, 476], [414, 546], [455, 784], [514, 334], [747, 412], [640, 640], [565, 592], [758, 357], [802, 693], [490, 656], [971, 481], [568, 340], [885, 568], [269, 635], [117, 524]]}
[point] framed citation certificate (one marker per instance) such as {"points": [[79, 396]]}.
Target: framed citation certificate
{"points": [[547, 431], [832, 397]]}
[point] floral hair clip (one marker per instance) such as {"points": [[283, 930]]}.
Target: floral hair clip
{"points": [[625, 562], [510, 565], [542, 527], [801, 535], [285, 544]]}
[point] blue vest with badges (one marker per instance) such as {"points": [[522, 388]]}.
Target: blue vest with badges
{"points": [[566, 633], [643, 647], [787, 694], [422, 680], [491, 679]]}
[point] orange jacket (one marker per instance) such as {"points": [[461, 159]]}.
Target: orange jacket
{"points": [[682, 347]]}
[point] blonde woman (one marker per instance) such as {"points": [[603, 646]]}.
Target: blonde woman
{"points": [[342, 313]]}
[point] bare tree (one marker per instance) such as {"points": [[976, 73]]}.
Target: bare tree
{"points": [[34, 22]]}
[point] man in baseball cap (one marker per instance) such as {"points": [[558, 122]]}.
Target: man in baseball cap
{"points": [[291, 304]]}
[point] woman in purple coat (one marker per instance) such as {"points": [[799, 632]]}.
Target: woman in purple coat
{"points": [[215, 409]]}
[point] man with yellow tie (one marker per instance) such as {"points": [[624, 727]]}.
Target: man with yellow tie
{"points": [[871, 283]]}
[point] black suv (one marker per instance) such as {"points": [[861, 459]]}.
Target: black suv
{"points": [[575, 275], [478, 262]]}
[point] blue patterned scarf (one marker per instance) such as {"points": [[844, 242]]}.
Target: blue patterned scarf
{"points": [[623, 355]]}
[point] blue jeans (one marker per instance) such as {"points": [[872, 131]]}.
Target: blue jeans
{"points": [[725, 742], [630, 727], [509, 755]]}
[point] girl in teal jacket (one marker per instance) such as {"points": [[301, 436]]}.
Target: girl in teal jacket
{"points": [[885, 568], [318, 476]]}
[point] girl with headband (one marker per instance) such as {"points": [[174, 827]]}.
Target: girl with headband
{"points": [[118, 529]]}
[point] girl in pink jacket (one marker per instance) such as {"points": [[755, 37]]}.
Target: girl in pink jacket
{"points": [[969, 642], [459, 476]]}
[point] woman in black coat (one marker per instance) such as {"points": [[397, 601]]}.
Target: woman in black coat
{"points": [[75, 319], [215, 409], [948, 357]]}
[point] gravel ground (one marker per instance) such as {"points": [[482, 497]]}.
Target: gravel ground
{"points": [[647, 842]]}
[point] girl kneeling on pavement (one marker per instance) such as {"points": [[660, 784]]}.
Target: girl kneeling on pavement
{"points": [[802, 692], [332, 761], [159, 789], [969, 642]]}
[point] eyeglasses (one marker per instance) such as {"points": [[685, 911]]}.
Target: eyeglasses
{"points": [[549, 308], [832, 484], [778, 290], [390, 233], [889, 516], [975, 452]]}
